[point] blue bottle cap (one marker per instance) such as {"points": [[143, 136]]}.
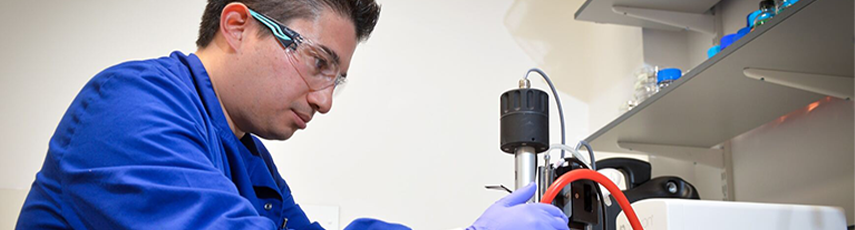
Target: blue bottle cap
{"points": [[738, 35], [668, 74], [751, 17], [713, 51], [744, 31], [727, 40]]}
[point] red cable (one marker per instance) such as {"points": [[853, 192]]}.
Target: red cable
{"points": [[587, 174]]}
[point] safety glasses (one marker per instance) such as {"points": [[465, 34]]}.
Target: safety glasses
{"points": [[318, 65]]}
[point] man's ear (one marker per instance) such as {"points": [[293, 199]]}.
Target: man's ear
{"points": [[234, 24]]}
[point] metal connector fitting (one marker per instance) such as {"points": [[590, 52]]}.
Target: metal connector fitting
{"points": [[525, 83]]}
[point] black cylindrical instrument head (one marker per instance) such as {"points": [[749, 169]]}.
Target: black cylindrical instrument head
{"points": [[524, 120]]}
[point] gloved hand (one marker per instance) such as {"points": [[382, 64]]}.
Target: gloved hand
{"points": [[512, 213]]}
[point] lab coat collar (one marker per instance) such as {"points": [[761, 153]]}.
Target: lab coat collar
{"points": [[249, 149]]}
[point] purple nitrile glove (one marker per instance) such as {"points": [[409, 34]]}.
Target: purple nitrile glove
{"points": [[512, 213]]}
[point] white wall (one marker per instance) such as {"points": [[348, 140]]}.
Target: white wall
{"points": [[412, 139], [50, 49], [667, 49], [590, 61]]}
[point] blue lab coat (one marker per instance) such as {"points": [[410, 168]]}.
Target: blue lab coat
{"points": [[145, 145]]}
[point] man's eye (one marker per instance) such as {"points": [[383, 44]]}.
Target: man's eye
{"points": [[321, 64]]}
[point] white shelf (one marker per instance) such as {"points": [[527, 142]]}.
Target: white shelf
{"points": [[631, 12], [716, 101]]}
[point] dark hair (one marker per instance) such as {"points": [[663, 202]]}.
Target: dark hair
{"points": [[363, 14]]}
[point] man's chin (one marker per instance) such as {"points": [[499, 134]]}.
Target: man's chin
{"points": [[279, 135]]}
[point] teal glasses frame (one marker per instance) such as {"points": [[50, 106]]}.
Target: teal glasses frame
{"points": [[285, 35]]}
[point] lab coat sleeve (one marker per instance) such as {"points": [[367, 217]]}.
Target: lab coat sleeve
{"points": [[374, 224], [138, 159]]}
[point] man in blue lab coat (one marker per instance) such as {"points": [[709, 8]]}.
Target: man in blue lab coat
{"points": [[170, 143]]}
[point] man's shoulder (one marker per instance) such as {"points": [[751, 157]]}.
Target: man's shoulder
{"points": [[170, 68], [144, 86], [129, 100]]}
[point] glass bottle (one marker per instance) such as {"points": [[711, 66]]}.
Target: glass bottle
{"points": [[767, 11], [645, 86]]}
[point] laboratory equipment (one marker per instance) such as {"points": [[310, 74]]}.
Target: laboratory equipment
{"points": [[524, 125], [683, 214], [666, 76], [587, 174], [640, 186], [524, 120], [584, 210], [767, 11]]}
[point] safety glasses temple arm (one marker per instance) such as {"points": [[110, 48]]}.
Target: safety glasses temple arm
{"points": [[284, 34]]}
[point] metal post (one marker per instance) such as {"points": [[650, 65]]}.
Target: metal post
{"points": [[526, 166]]}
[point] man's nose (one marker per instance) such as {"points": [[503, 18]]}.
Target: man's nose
{"points": [[321, 100]]}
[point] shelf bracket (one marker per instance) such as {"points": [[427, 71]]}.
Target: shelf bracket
{"points": [[703, 23], [708, 156], [831, 85]]}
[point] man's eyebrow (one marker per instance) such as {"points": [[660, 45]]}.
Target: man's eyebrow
{"points": [[331, 52], [334, 56]]}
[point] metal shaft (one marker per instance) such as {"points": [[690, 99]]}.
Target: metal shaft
{"points": [[544, 177], [526, 166]]}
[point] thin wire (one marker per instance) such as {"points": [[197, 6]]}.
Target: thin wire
{"points": [[575, 153], [557, 101], [590, 153]]}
